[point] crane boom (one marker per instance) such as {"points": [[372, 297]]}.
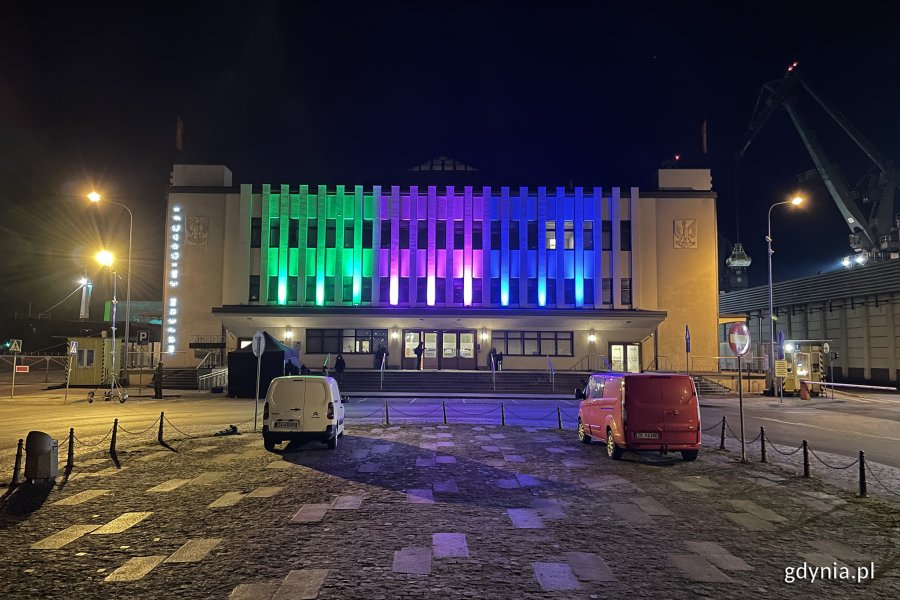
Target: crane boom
{"points": [[871, 235]]}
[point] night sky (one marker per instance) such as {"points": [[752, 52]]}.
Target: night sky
{"points": [[342, 93]]}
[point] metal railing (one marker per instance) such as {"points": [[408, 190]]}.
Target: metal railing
{"points": [[661, 363], [493, 371], [592, 363], [205, 358], [381, 369], [215, 378], [552, 373]]}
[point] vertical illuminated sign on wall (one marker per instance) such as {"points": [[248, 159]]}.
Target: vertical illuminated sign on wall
{"points": [[175, 233]]}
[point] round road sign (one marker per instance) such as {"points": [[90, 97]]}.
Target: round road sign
{"points": [[739, 338]]}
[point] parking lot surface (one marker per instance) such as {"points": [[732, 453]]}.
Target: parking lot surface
{"points": [[458, 511]]}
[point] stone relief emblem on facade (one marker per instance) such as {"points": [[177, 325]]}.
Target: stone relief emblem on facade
{"points": [[685, 233], [197, 231]]}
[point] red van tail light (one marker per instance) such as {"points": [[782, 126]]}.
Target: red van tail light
{"points": [[331, 410], [623, 410], [266, 410]]}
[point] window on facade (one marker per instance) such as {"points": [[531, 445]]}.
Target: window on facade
{"points": [[550, 235], [421, 290], [330, 233], [626, 291], [476, 290], [367, 289], [85, 358], [457, 291], [255, 232], [348, 235], [312, 234], [440, 235], [588, 291], [625, 229], [404, 234], [496, 240], [513, 235], [440, 290], [495, 290], [514, 290], [323, 341], [422, 233], [291, 289], [532, 343], [551, 290], [347, 290], [367, 234], [311, 289], [459, 234], [329, 290], [588, 237], [384, 290], [274, 233], [294, 233], [569, 234], [569, 291], [361, 341], [532, 235], [254, 288], [404, 290], [607, 290], [477, 241], [273, 289], [531, 290], [606, 235], [385, 234]]}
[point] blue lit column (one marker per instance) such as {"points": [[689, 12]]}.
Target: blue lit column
{"points": [[579, 247], [504, 246], [541, 223]]}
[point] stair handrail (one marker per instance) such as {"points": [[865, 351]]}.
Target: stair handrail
{"points": [[208, 354], [381, 369], [213, 378], [493, 371], [552, 373]]}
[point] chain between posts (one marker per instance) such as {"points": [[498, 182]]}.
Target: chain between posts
{"points": [[832, 466], [149, 427], [95, 443]]}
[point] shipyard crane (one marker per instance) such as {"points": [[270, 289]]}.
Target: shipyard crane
{"points": [[872, 236]]}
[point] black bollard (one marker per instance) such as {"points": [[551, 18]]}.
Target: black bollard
{"points": [[444, 406], [722, 442], [863, 491], [159, 436], [387, 415], [502, 415], [558, 416], [112, 440], [70, 461], [805, 459], [18, 466], [762, 445]]}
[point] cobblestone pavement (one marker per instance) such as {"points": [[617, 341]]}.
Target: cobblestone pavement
{"points": [[455, 511]]}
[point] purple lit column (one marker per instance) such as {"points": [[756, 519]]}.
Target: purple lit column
{"points": [[432, 245], [467, 247], [395, 245]]}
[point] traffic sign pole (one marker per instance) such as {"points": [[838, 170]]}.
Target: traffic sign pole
{"points": [[258, 346], [12, 390], [739, 341]]}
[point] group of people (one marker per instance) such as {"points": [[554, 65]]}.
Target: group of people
{"points": [[495, 359]]}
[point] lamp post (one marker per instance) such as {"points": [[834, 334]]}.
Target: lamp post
{"points": [[95, 198], [105, 258], [796, 201]]}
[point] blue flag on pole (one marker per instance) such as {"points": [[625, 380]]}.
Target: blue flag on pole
{"points": [[687, 339]]}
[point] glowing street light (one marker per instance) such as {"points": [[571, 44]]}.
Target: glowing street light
{"points": [[795, 201], [105, 258], [95, 198]]}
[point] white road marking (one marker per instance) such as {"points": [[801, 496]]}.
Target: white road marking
{"points": [[841, 431]]}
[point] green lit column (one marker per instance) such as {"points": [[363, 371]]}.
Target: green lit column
{"points": [[357, 243], [284, 214], [320, 246]]}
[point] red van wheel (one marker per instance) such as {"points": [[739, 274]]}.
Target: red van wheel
{"points": [[612, 451], [689, 455], [582, 436]]}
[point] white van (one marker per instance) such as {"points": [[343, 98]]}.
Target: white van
{"points": [[303, 408]]}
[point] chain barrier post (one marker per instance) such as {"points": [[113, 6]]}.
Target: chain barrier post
{"points": [[762, 445], [18, 466], [159, 436], [70, 461], [444, 407], [112, 441], [502, 415], [863, 491], [558, 416], [724, 424], [805, 459], [387, 415]]}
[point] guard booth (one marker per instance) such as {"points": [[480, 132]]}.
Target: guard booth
{"points": [[804, 363], [90, 365]]}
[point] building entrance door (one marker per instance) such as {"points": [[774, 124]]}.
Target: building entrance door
{"points": [[625, 357], [449, 350]]}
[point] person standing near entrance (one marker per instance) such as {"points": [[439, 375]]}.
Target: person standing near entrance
{"points": [[420, 350], [339, 366], [158, 381]]}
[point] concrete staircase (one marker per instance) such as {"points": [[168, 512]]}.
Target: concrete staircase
{"points": [[360, 382], [707, 387], [181, 379]]}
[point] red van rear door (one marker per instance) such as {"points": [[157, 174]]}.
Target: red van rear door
{"points": [[645, 421], [680, 409]]}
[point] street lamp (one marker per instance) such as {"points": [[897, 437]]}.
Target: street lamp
{"points": [[796, 201], [95, 198], [105, 258]]}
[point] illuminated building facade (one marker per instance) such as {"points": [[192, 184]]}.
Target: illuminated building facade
{"points": [[573, 275]]}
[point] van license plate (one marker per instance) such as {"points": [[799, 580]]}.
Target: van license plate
{"points": [[647, 436], [286, 424]]}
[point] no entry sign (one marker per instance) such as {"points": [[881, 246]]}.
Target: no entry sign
{"points": [[739, 338]]}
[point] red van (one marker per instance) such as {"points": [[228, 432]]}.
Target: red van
{"points": [[641, 411]]}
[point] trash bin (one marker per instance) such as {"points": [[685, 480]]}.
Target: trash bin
{"points": [[41, 456]]}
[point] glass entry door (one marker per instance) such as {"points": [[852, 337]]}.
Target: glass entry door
{"points": [[449, 350], [625, 357]]}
